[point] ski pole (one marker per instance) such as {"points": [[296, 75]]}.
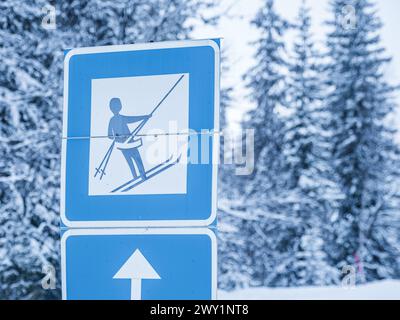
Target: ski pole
{"points": [[104, 159], [103, 172]]}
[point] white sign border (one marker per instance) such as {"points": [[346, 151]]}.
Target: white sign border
{"points": [[140, 231], [215, 158]]}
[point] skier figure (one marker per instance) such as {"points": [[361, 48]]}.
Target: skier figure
{"points": [[118, 131]]}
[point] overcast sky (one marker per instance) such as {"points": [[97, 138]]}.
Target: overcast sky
{"points": [[235, 28]]}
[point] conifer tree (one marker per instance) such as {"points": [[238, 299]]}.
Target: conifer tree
{"points": [[267, 82], [311, 193], [364, 156], [263, 225]]}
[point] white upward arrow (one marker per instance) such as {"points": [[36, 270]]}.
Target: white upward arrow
{"points": [[135, 269]]}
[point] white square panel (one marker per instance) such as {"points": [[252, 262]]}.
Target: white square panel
{"points": [[162, 149]]}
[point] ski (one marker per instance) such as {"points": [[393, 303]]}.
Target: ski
{"points": [[154, 173], [149, 173]]}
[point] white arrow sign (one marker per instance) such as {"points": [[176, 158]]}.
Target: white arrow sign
{"points": [[135, 269]]}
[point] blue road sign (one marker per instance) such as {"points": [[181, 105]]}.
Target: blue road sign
{"points": [[139, 120], [135, 264]]}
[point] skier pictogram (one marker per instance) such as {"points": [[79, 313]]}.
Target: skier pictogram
{"points": [[129, 143]]}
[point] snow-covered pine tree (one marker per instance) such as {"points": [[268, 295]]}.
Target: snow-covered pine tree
{"points": [[30, 116], [225, 173], [226, 262], [266, 81], [264, 227], [311, 191], [365, 156], [30, 140], [105, 22]]}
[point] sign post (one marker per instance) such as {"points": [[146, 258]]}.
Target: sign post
{"points": [[140, 152]]}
